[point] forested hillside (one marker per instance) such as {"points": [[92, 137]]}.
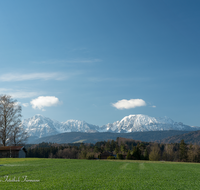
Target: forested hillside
{"points": [[191, 137], [73, 137]]}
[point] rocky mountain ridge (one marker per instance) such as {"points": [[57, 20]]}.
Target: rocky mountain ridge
{"points": [[39, 126]]}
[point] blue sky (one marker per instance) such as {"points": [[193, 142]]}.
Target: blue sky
{"points": [[80, 59]]}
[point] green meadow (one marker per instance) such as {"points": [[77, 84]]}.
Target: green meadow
{"points": [[96, 174]]}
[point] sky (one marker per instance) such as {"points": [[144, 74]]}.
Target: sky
{"points": [[99, 61]]}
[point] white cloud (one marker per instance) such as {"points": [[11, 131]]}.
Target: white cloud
{"points": [[31, 76], [89, 61], [44, 101], [153, 106], [16, 104], [18, 93], [83, 61], [128, 104], [116, 79], [25, 104], [23, 94]]}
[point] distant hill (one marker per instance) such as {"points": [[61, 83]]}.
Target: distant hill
{"points": [[191, 137], [74, 137]]}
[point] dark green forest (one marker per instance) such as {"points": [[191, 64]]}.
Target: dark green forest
{"points": [[122, 148]]}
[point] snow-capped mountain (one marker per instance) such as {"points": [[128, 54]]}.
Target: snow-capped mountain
{"points": [[140, 123], [39, 126], [78, 126]]}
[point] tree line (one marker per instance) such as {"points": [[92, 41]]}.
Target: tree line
{"points": [[122, 148]]}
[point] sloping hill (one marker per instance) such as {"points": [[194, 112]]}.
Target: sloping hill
{"points": [[191, 137], [104, 136]]}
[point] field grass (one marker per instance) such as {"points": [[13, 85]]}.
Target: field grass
{"points": [[97, 174]]}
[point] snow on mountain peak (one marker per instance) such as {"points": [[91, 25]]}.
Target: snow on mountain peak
{"points": [[139, 122], [41, 126]]}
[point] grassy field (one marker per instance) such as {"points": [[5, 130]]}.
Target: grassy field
{"points": [[95, 174]]}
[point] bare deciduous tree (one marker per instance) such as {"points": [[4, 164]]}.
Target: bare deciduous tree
{"points": [[155, 153], [11, 131], [18, 136]]}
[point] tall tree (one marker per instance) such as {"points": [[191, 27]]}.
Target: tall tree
{"points": [[10, 121], [168, 153], [117, 149], [136, 152], [128, 157], [123, 148], [183, 151], [155, 153]]}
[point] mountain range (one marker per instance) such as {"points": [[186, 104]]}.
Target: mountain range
{"points": [[39, 126]]}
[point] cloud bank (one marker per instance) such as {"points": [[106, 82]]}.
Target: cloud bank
{"points": [[18, 93], [44, 101], [31, 76], [25, 104], [128, 104]]}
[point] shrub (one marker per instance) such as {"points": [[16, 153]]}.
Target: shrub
{"points": [[90, 156], [110, 157], [128, 157], [119, 156]]}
